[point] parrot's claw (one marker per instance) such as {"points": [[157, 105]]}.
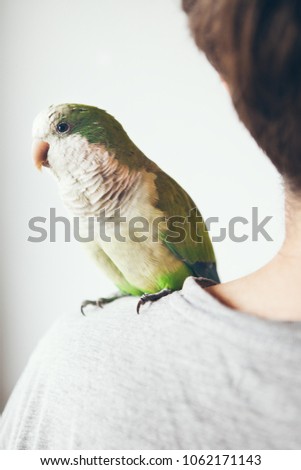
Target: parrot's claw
{"points": [[152, 298], [100, 302], [97, 303]]}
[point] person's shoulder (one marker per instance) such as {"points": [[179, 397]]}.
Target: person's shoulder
{"points": [[117, 325]]}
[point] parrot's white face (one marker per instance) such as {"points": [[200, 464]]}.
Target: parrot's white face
{"points": [[55, 147], [87, 173]]}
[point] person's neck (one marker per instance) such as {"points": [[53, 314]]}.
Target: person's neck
{"points": [[291, 247], [274, 291]]}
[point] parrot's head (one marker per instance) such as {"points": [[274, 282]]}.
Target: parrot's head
{"points": [[67, 136]]}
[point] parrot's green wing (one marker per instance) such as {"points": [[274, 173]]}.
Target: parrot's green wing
{"points": [[186, 235]]}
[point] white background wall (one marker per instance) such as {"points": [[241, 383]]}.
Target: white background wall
{"points": [[135, 59]]}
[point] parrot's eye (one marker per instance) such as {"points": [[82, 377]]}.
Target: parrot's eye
{"points": [[63, 127]]}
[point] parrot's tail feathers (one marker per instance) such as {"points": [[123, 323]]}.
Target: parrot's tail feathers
{"points": [[206, 270]]}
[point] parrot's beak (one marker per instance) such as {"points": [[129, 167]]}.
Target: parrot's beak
{"points": [[40, 153]]}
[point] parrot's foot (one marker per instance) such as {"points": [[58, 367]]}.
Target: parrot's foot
{"points": [[100, 302], [152, 297]]}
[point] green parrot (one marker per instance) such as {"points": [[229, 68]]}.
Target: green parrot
{"points": [[99, 171]]}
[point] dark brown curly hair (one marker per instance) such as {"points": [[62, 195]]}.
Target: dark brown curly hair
{"points": [[256, 46]]}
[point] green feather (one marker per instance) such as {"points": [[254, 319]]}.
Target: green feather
{"points": [[195, 249]]}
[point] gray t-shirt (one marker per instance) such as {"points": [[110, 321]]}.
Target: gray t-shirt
{"points": [[187, 373]]}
